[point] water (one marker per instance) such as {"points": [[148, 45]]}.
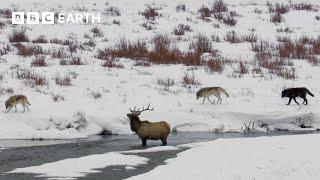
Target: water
{"points": [[24, 153]]}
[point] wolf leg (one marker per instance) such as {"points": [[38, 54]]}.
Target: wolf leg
{"points": [[24, 107], [210, 100], [306, 100], [289, 101], [9, 109], [15, 107], [27, 107], [204, 98], [295, 100], [220, 99]]}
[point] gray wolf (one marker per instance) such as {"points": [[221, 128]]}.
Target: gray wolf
{"points": [[206, 92], [14, 100]]}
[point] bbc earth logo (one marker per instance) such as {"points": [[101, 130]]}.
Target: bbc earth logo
{"points": [[54, 18]]}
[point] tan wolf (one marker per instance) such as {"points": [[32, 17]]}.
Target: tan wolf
{"points": [[209, 91], [13, 101]]}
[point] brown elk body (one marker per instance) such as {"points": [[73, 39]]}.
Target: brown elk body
{"points": [[148, 130]]}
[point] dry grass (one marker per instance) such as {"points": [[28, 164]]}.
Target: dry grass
{"points": [[29, 50], [189, 79], [32, 79], [276, 18], [215, 65], [39, 61], [181, 29], [204, 12], [57, 97], [150, 13], [18, 36], [40, 39], [111, 63], [63, 81], [219, 6], [232, 37], [303, 6], [97, 32], [278, 8], [181, 7]]}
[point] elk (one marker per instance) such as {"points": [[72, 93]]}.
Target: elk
{"points": [[148, 130]]}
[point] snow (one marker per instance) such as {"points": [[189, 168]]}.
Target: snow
{"points": [[262, 158], [251, 98], [79, 167]]}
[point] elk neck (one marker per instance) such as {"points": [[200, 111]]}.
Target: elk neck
{"points": [[135, 123]]}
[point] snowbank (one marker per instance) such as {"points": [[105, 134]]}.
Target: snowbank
{"points": [[262, 158], [79, 167]]}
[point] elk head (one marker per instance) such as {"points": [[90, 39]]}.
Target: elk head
{"points": [[134, 117]]}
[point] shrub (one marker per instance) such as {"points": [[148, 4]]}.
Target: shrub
{"points": [[232, 37], [96, 94], [204, 12], [278, 8], [110, 63], [243, 68], [181, 7], [202, 45], [112, 11], [181, 29], [76, 61], [150, 13], [39, 61], [96, 32], [18, 36], [40, 39], [57, 97], [219, 6], [188, 79], [63, 81], [276, 18], [32, 78], [250, 38], [28, 50], [165, 83], [302, 6], [215, 65], [2, 24], [6, 13], [59, 53], [215, 38]]}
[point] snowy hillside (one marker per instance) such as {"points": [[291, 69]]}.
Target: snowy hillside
{"points": [[81, 79]]}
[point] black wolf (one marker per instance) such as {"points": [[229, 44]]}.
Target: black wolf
{"points": [[292, 93]]}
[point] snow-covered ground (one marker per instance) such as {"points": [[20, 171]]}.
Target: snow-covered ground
{"points": [[262, 158], [251, 98]]}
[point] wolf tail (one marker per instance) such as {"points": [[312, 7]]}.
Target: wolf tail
{"points": [[224, 92], [309, 92]]}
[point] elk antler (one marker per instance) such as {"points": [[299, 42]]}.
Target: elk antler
{"points": [[138, 112]]}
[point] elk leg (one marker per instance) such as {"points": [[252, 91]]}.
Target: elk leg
{"points": [[164, 141], [144, 142]]}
